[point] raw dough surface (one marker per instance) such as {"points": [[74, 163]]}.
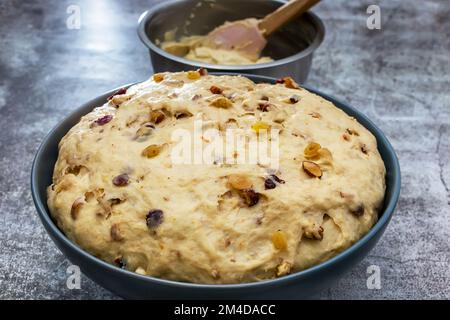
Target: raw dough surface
{"points": [[217, 223]]}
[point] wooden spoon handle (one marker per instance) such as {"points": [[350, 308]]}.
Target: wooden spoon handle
{"points": [[284, 14]]}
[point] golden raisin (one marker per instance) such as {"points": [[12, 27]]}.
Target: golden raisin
{"points": [[312, 150], [290, 83], [311, 168], [325, 153], [279, 240], [193, 75], [158, 77], [157, 116], [222, 102], [151, 151], [239, 182], [260, 125]]}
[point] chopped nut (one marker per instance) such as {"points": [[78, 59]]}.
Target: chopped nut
{"points": [[284, 268], [312, 169], [279, 240], [312, 150], [260, 125], [314, 232], [269, 184], [215, 273], [158, 77], [115, 233], [215, 90], [154, 218], [239, 182], [157, 116], [151, 151], [222, 102], [118, 92], [358, 211], [352, 132], [104, 120], [141, 271], [75, 209], [251, 198], [144, 131], [203, 71], [121, 180], [315, 115], [193, 75]]}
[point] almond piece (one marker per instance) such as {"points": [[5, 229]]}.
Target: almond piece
{"points": [[312, 169]]}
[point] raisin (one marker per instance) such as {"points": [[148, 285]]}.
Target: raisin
{"points": [[120, 262], [158, 77], [157, 116], [279, 240], [274, 177], [118, 92], [121, 180], [222, 102], [311, 150], [193, 75], [260, 125], [269, 184], [154, 218], [280, 81], [215, 90], [358, 211], [294, 99], [151, 151], [104, 120], [250, 197], [265, 98], [264, 107]]}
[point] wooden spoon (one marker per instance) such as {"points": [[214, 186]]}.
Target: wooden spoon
{"points": [[249, 36]]}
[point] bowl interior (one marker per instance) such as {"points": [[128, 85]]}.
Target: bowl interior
{"points": [[42, 170], [200, 17]]}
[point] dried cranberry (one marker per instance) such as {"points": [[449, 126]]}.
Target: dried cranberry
{"points": [[121, 180], [154, 218], [269, 184], [104, 120], [281, 80], [215, 90], [118, 92], [274, 177]]}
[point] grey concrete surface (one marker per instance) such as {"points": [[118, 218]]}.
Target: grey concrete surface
{"points": [[399, 76]]}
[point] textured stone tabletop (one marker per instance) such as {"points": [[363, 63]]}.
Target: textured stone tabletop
{"points": [[399, 76]]}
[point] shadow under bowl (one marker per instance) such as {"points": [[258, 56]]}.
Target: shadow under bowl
{"points": [[127, 284]]}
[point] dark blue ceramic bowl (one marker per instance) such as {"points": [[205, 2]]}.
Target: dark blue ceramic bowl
{"points": [[304, 284]]}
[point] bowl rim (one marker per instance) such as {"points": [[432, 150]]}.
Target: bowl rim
{"points": [[386, 215], [147, 15]]}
